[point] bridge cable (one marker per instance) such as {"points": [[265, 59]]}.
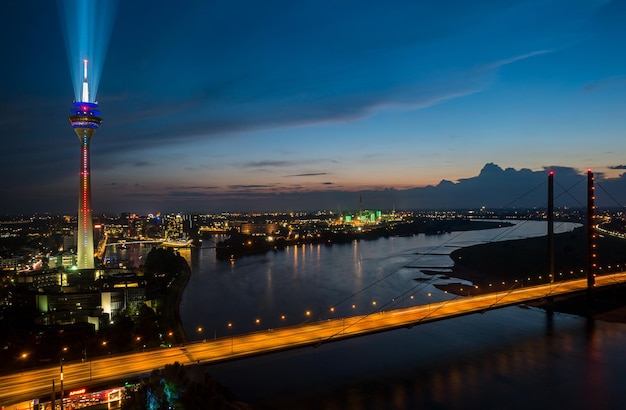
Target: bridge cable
{"points": [[610, 196], [422, 285]]}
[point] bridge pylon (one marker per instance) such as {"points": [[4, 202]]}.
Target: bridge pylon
{"points": [[591, 240], [550, 244]]}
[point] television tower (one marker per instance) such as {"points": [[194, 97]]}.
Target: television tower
{"points": [[85, 121]]}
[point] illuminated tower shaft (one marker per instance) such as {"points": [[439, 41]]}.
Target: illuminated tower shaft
{"points": [[85, 121]]}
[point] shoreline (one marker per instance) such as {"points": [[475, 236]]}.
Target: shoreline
{"points": [[482, 265], [170, 313], [239, 245]]}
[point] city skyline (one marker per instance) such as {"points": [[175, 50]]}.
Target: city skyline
{"points": [[233, 106]]}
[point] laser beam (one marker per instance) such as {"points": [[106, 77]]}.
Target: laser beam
{"points": [[86, 27]]}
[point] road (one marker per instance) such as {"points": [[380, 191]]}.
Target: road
{"points": [[38, 383]]}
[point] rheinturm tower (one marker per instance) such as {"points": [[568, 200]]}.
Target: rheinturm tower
{"points": [[85, 121]]}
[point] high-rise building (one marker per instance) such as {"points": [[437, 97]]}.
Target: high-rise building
{"points": [[85, 121]]}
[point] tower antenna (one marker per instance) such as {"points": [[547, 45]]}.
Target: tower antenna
{"points": [[85, 94]]}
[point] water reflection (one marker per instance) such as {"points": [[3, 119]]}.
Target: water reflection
{"points": [[314, 277], [511, 358], [453, 365]]}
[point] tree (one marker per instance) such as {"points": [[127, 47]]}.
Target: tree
{"points": [[180, 387]]}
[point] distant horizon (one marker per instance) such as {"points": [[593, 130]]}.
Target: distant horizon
{"points": [[494, 188], [279, 212]]}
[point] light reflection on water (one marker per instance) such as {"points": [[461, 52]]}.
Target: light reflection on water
{"points": [[510, 358], [315, 277]]}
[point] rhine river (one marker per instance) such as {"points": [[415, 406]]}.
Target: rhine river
{"points": [[514, 358]]}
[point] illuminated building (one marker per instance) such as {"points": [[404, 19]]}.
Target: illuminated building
{"points": [[85, 121]]}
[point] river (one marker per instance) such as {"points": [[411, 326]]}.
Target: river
{"points": [[514, 358]]}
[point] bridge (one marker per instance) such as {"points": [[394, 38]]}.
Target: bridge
{"points": [[134, 242], [99, 371], [102, 245]]}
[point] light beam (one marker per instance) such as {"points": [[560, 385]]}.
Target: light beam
{"points": [[86, 27]]}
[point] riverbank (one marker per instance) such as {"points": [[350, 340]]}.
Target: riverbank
{"points": [[170, 313], [501, 266], [238, 245]]}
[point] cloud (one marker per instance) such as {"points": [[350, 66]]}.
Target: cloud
{"points": [[304, 101], [311, 174], [617, 167], [209, 187], [494, 187], [187, 194], [141, 164], [235, 187], [610, 82], [514, 59], [261, 164]]}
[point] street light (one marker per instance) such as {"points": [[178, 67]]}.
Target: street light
{"points": [[61, 374], [232, 339], [104, 346], [62, 393]]}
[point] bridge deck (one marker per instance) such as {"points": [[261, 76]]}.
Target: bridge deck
{"points": [[37, 383]]}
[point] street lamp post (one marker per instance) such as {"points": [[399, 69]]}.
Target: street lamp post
{"points": [[62, 393], [232, 339]]}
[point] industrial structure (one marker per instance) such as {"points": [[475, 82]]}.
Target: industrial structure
{"points": [[85, 120]]}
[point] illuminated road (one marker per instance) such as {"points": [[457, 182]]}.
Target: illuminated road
{"points": [[38, 383]]}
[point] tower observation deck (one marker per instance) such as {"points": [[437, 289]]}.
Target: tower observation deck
{"points": [[85, 120]]}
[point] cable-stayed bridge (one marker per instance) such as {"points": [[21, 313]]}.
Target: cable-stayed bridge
{"points": [[99, 371]]}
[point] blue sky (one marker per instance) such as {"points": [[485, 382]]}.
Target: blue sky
{"points": [[216, 105]]}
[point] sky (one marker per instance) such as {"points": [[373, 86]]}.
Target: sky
{"points": [[236, 105]]}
